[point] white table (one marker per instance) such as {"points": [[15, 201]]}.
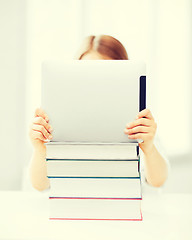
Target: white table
{"points": [[24, 215]]}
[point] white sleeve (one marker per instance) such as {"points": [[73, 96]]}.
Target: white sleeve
{"points": [[26, 182]]}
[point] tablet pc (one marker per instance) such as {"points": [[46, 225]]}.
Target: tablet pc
{"points": [[92, 100]]}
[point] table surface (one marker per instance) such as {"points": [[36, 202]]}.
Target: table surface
{"points": [[25, 215]]}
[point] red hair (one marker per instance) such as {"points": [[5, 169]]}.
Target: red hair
{"points": [[105, 45]]}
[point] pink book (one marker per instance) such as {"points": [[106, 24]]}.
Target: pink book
{"points": [[115, 209]]}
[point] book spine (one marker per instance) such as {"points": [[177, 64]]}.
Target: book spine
{"points": [[96, 177], [99, 219], [98, 198]]}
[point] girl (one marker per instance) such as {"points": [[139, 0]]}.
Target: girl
{"points": [[144, 127]]}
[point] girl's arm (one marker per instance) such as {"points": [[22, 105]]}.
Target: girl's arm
{"points": [[156, 169], [144, 127], [39, 133]]}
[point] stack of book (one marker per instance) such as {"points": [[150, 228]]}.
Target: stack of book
{"points": [[94, 181]]}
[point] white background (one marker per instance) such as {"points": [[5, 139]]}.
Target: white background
{"points": [[158, 32]]}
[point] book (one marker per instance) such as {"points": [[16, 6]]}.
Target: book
{"points": [[95, 209], [65, 150], [95, 187], [94, 181], [92, 168]]}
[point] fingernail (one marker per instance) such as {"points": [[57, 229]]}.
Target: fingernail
{"points": [[128, 125], [47, 119], [50, 136], [50, 129]]}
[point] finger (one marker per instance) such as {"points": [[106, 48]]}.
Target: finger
{"points": [[141, 121], [145, 113], [142, 136], [38, 135], [138, 129], [40, 128], [41, 121], [40, 113]]}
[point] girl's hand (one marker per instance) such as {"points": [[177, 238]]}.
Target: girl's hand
{"points": [[144, 127], [40, 130]]}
